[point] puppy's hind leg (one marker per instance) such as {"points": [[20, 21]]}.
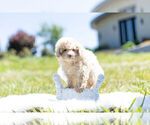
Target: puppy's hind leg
{"points": [[92, 80]]}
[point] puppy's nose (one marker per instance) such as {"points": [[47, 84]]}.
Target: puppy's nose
{"points": [[69, 55]]}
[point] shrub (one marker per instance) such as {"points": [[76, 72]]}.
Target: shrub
{"points": [[12, 52], [128, 45], [20, 42], [99, 48], [25, 52], [136, 42], [46, 52], [1, 56], [90, 49]]}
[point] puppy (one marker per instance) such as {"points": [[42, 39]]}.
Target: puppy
{"points": [[79, 66]]}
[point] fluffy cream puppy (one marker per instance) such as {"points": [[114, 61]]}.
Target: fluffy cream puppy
{"points": [[79, 66]]}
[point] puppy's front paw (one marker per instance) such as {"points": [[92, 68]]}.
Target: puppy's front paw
{"points": [[83, 86], [79, 90], [69, 86]]}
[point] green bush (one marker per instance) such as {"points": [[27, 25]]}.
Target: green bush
{"points": [[46, 52], [90, 49], [25, 52], [1, 56], [99, 48], [22, 43], [128, 45], [136, 42], [12, 52]]}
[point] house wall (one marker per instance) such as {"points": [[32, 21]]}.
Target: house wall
{"points": [[143, 23], [143, 6], [118, 5], [109, 30]]}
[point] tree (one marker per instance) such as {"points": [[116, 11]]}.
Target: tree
{"points": [[51, 34], [20, 42]]}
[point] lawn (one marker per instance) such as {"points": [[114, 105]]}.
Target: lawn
{"points": [[126, 72]]}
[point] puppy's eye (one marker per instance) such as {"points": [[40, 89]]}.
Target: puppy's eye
{"points": [[65, 50]]}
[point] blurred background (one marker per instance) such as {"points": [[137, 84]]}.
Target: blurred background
{"points": [[46, 28], [88, 21], [46, 22], [117, 31]]}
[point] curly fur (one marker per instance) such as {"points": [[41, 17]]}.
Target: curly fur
{"points": [[79, 65]]}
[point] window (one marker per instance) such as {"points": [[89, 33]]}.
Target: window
{"points": [[128, 30]]}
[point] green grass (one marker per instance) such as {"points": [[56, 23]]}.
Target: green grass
{"points": [[27, 75], [126, 72]]}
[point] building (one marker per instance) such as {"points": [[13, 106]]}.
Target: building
{"points": [[123, 6], [115, 29]]}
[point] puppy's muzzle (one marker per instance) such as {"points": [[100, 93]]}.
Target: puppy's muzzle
{"points": [[69, 55]]}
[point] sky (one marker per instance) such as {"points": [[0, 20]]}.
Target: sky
{"points": [[74, 16], [57, 6]]}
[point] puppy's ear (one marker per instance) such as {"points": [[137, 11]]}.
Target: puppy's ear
{"points": [[59, 52], [79, 51]]}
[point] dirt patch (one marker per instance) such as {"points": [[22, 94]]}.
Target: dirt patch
{"points": [[147, 42]]}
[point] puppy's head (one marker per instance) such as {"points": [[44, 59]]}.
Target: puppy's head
{"points": [[67, 49]]}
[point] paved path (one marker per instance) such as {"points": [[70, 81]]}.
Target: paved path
{"points": [[138, 49]]}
